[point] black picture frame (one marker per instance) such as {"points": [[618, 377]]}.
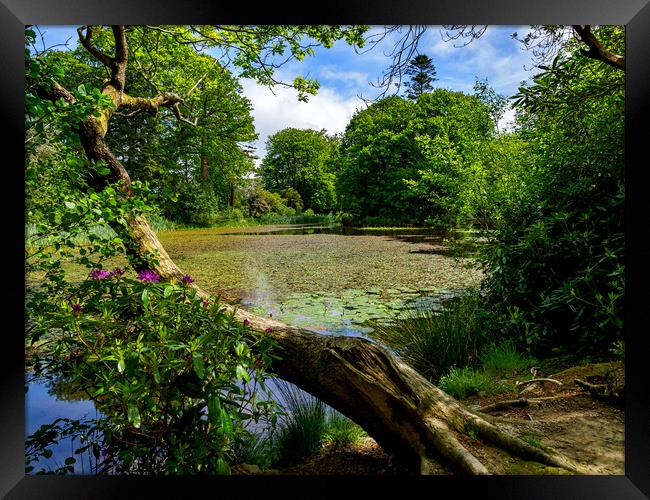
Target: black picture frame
{"points": [[634, 14]]}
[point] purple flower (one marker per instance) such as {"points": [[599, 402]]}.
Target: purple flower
{"points": [[148, 276], [206, 303], [186, 280], [246, 322], [99, 274], [269, 330], [117, 271], [76, 307]]}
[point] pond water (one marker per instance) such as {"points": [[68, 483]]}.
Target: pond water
{"points": [[327, 279], [330, 280], [43, 405]]}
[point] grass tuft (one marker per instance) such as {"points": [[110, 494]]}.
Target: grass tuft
{"points": [[463, 382], [302, 428], [340, 430], [308, 425], [504, 359], [255, 448], [433, 342]]}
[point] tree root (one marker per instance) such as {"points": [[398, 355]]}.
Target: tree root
{"points": [[525, 382], [614, 395], [514, 403]]}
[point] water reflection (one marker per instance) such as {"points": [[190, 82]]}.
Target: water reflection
{"points": [[42, 406]]}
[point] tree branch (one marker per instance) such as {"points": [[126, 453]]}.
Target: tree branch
{"points": [[54, 93], [196, 85], [94, 51], [596, 49], [118, 68], [164, 100], [179, 116], [121, 52]]}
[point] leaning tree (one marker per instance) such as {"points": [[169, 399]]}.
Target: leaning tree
{"points": [[406, 414]]}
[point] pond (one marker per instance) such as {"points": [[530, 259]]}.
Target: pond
{"points": [[327, 279], [330, 280]]}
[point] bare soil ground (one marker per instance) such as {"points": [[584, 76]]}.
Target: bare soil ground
{"points": [[589, 431]]}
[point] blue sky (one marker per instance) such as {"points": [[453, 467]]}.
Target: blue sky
{"points": [[345, 75]]}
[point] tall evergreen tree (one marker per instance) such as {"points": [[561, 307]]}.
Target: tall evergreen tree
{"points": [[422, 73]]}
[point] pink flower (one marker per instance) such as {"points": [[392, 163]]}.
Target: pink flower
{"points": [[206, 303], [186, 280], [99, 274], [246, 322], [148, 276], [269, 330]]}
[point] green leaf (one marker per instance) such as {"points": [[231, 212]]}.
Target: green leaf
{"points": [[69, 205], [82, 90], [226, 421], [120, 365], [214, 409], [145, 298], [70, 460], [241, 373], [168, 291], [101, 170], [134, 415], [222, 466], [199, 368]]}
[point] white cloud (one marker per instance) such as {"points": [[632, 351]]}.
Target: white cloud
{"points": [[507, 121], [327, 110], [349, 77]]}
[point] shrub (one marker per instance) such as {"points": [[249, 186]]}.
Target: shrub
{"points": [[261, 201], [194, 206], [463, 382], [504, 359], [293, 199], [171, 371]]}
